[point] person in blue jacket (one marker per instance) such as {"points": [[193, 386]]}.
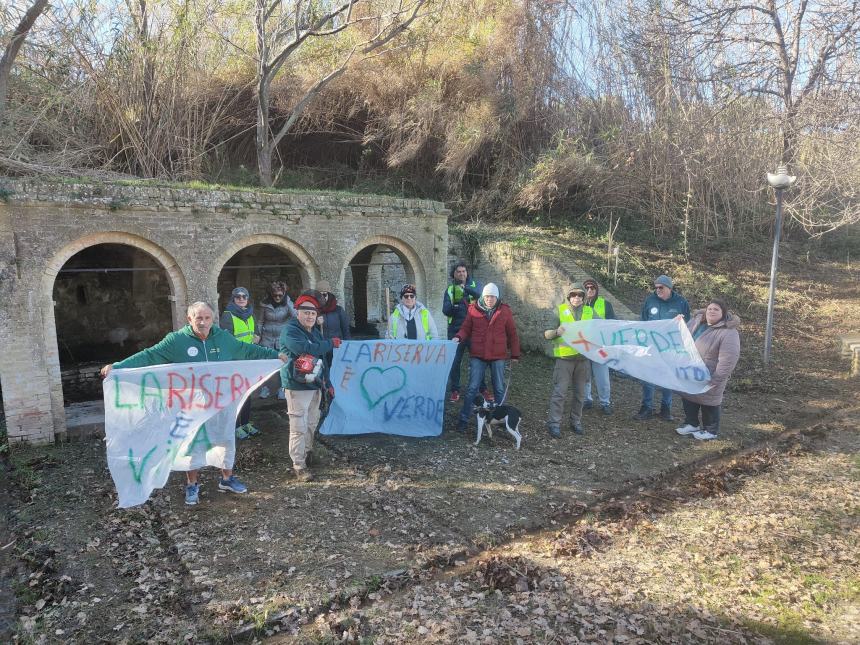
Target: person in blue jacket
{"points": [[462, 292], [303, 377], [663, 304]]}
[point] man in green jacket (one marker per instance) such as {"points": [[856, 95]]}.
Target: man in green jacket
{"points": [[199, 342]]}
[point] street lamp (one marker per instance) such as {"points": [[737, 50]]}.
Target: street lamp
{"points": [[779, 182]]}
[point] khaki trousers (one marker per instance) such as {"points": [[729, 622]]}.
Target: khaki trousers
{"points": [[575, 370], [303, 407]]}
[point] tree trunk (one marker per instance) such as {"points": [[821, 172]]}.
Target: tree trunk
{"points": [[14, 47]]}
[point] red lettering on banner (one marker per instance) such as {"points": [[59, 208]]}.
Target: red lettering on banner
{"points": [[379, 352], [206, 403], [237, 386], [193, 387], [174, 391], [218, 392], [417, 357]]}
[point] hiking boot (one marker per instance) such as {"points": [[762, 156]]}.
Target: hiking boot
{"points": [[666, 413], [577, 428], [704, 435], [455, 396], [587, 405], [687, 429], [644, 413], [251, 430], [241, 433], [606, 409], [303, 475], [232, 485], [554, 432], [192, 494]]}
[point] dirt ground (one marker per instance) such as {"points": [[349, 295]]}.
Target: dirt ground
{"points": [[437, 539]]}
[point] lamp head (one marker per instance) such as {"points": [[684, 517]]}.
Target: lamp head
{"points": [[781, 179]]}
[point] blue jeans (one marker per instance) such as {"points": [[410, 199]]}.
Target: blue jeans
{"points": [[648, 395], [454, 374], [600, 372], [477, 367]]}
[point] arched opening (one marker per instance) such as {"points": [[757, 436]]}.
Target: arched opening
{"points": [[255, 267], [372, 280], [110, 301]]}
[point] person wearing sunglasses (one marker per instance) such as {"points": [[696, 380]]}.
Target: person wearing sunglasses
{"points": [[410, 318], [663, 304]]}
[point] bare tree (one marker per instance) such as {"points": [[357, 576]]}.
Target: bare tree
{"points": [[283, 27], [14, 46]]}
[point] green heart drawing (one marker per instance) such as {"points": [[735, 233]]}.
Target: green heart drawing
{"points": [[377, 386]]}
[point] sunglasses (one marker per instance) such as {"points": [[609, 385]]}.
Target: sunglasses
{"points": [[408, 296], [590, 288], [240, 297]]}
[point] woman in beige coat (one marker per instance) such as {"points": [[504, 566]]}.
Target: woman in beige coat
{"points": [[715, 331]]}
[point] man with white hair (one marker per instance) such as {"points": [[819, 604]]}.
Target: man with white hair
{"points": [[199, 342]]}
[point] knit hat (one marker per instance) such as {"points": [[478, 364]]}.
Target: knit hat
{"points": [[575, 289], [308, 302], [323, 286], [665, 280], [408, 288], [240, 291], [490, 289], [590, 281]]}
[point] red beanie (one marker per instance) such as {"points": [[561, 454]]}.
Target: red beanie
{"points": [[307, 300]]}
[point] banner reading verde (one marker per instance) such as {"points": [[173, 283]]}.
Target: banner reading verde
{"points": [[661, 352], [389, 386], [174, 417]]}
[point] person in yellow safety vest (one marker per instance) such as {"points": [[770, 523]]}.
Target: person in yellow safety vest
{"points": [[463, 291], [410, 318], [570, 365], [238, 319], [599, 371]]}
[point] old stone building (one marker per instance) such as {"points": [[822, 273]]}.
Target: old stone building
{"points": [[93, 273]]}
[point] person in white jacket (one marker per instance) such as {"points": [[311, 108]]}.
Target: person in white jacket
{"points": [[411, 319]]}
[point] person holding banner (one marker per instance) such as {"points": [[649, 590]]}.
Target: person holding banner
{"points": [[238, 319], [489, 324], [715, 330], [600, 371], [462, 292], [404, 320], [199, 342], [570, 365], [663, 304], [303, 377]]}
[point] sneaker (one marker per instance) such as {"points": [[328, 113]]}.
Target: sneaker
{"points": [[644, 413], [577, 428], [232, 485], [265, 392], [455, 396], [192, 494], [588, 405], [687, 429], [303, 475], [554, 432], [666, 413], [704, 435], [251, 430], [606, 409], [241, 433]]}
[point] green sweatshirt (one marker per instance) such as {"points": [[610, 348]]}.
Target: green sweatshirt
{"points": [[184, 347]]}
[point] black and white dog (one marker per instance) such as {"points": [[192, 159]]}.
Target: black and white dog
{"points": [[489, 415]]}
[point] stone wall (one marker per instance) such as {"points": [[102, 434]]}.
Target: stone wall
{"points": [[191, 234], [532, 285]]}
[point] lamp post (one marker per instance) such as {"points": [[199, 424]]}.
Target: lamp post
{"points": [[779, 182]]}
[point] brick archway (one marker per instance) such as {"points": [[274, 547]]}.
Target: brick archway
{"points": [[175, 278], [308, 268]]}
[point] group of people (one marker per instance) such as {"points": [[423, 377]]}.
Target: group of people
{"points": [[304, 334]]}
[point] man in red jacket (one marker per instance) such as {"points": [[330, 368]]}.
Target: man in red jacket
{"points": [[490, 325]]}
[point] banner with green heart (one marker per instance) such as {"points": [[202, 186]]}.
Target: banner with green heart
{"points": [[389, 386]]}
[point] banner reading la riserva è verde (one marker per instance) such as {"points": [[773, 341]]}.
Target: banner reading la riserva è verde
{"points": [[389, 386]]}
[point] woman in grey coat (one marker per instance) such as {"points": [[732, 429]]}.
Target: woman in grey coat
{"points": [[274, 312], [715, 331]]}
